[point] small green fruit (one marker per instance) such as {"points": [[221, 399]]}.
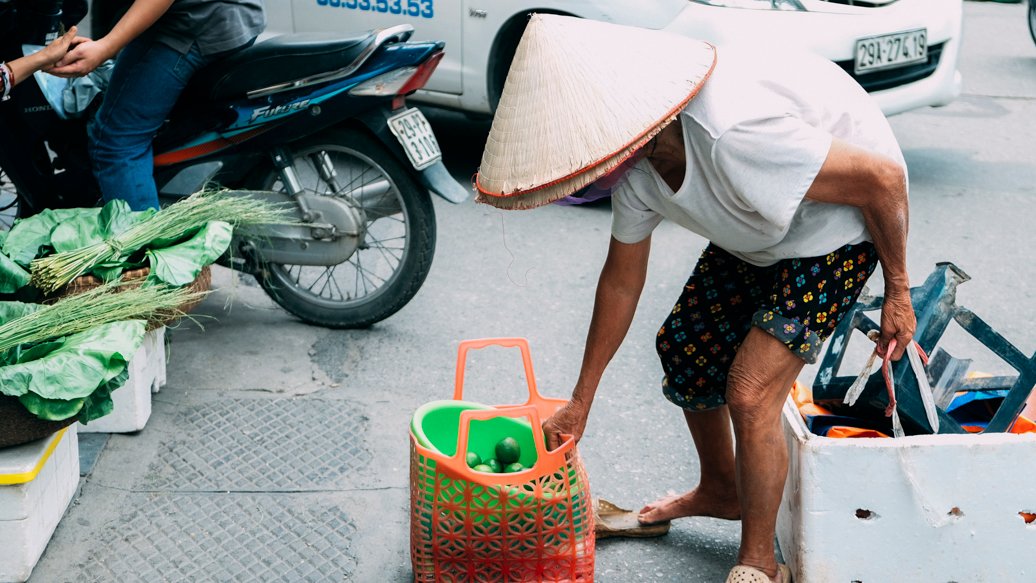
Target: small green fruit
{"points": [[508, 451]]}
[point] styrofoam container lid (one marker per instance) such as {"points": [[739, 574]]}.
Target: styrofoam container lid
{"points": [[22, 463]]}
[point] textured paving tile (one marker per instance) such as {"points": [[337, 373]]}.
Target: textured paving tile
{"points": [[231, 537], [261, 445]]}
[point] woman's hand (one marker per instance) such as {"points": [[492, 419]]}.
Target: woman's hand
{"points": [[85, 56], [569, 420], [43, 59], [57, 49], [898, 322]]}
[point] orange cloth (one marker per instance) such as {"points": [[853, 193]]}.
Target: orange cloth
{"points": [[803, 398], [840, 431]]}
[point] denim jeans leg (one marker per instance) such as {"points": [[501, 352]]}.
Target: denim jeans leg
{"points": [[146, 82]]}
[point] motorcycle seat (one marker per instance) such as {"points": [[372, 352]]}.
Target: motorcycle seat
{"points": [[281, 59]]}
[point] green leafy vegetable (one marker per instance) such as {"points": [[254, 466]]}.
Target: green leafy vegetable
{"points": [[12, 276], [180, 264], [63, 360], [31, 237], [57, 380]]}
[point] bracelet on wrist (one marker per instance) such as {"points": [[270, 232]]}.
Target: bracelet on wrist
{"points": [[7, 80]]}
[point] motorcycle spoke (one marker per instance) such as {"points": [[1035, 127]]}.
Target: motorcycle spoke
{"points": [[341, 293], [386, 252], [298, 277], [366, 275], [323, 276]]}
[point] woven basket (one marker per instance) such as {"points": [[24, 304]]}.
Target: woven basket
{"points": [[18, 425], [85, 283]]}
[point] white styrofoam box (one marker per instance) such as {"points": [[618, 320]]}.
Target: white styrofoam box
{"points": [[931, 508], [133, 400], [161, 358], [37, 482]]}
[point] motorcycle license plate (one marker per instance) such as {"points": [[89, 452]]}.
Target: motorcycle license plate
{"points": [[415, 135], [889, 51]]}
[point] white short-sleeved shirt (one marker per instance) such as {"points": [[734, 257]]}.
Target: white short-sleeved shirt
{"points": [[756, 136]]}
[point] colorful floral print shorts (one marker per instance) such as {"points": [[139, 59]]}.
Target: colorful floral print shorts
{"points": [[798, 301]]}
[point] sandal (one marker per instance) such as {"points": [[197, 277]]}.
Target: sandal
{"points": [[612, 521], [746, 574]]}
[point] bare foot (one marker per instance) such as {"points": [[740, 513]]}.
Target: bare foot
{"points": [[693, 503]]}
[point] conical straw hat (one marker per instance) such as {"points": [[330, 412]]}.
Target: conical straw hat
{"points": [[581, 96]]}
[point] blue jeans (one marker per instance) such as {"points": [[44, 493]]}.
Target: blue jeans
{"points": [[145, 84]]}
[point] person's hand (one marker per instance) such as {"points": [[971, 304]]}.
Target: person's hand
{"points": [[569, 420], [85, 56], [57, 49], [898, 322]]}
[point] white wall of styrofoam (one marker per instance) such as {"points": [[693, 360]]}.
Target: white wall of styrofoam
{"points": [[133, 400], [936, 508], [30, 512]]}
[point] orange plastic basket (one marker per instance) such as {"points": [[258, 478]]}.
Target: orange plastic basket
{"points": [[533, 525]]}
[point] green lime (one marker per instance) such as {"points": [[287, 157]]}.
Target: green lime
{"points": [[497, 466], [483, 468], [472, 459], [512, 468], [508, 451]]}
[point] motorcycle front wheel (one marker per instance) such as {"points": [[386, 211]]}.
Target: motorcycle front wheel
{"points": [[393, 258]]}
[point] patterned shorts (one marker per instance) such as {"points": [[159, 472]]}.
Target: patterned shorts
{"points": [[798, 301]]}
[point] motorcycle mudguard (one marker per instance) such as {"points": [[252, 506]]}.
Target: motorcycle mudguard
{"points": [[435, 178], [438, 180]]}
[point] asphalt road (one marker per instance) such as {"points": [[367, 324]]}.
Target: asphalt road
{"points": [[532, 274]]}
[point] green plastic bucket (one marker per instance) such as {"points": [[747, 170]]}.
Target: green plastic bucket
{"points": [[435, 426]]}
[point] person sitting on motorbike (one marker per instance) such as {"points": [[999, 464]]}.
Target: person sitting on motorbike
{"points": [[781, 161], [160, 45], [17, 70]]}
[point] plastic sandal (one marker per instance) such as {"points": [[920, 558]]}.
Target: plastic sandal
{"points": [[612, 521], [746, 574]]}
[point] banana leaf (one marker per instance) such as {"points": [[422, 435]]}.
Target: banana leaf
{"points": [[74, 375], [33, 237], [96, 405], [180, 264], [11, 310], [13, 277]]}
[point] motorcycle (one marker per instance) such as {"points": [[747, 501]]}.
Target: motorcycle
{"points": [[313, 120]]}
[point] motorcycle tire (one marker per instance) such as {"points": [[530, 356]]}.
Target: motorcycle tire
{"points": [[8, 202], [385, 273], [1032, 19]]}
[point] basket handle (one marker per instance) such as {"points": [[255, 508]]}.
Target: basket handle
{"points": [[522, 344], [546, 461]]}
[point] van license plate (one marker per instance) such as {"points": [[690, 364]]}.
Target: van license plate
{"points": [[415, 135], [891, 50]]}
